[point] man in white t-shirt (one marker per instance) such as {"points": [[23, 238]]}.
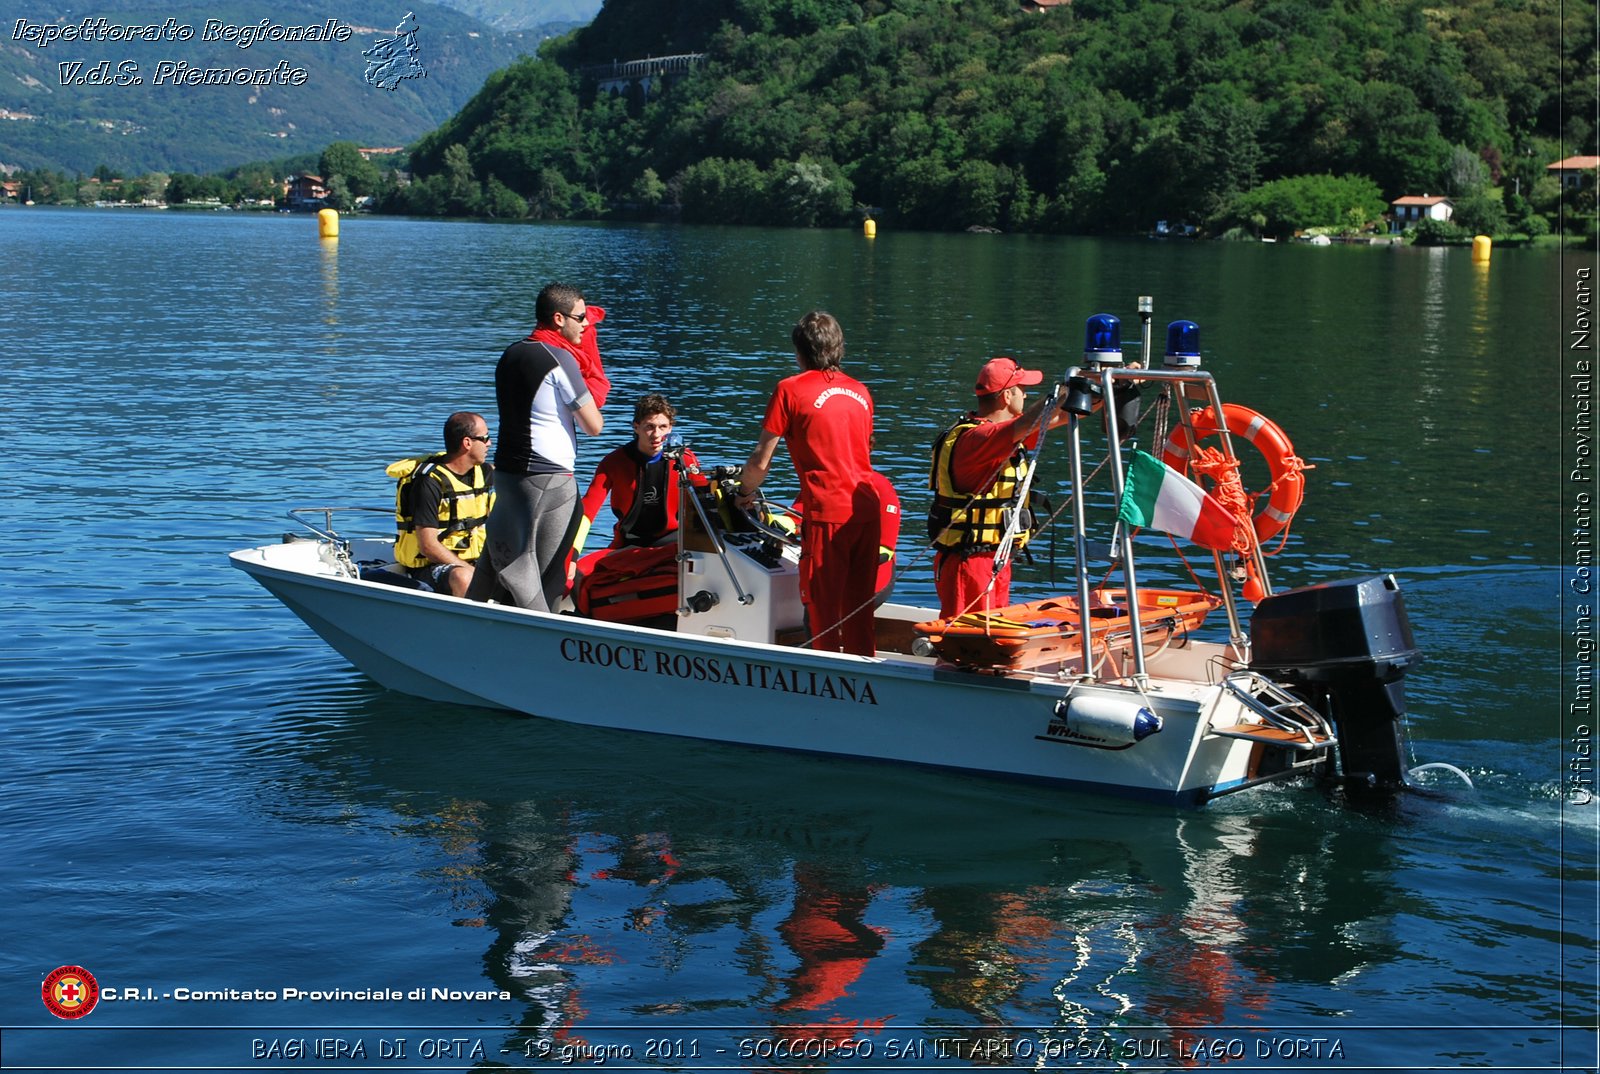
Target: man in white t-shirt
{"points": [[543, 401]]}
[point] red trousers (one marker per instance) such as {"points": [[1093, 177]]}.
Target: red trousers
{"points": [[838, 579], [961, 581]]}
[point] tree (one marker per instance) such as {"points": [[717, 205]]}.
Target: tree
{"points": [[1481, 214], [648, 190], [1469, 175], [339, 196], [809, 192], [343, 160], [460, 185], [184, 187], [1218, 151], [501, 202], [720, 191], [1308, 201]]}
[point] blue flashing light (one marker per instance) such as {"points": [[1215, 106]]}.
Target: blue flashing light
{"points": [[1183, 344], [1102, 339]]}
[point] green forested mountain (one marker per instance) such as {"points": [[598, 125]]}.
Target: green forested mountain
{"points": [[1098, 115], [55, 116]]}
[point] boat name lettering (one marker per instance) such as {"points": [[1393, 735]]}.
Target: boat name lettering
{"points": [[1058, 731], [741, 673]]}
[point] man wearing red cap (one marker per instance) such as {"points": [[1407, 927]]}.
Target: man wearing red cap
{"points": [[978, 467]]}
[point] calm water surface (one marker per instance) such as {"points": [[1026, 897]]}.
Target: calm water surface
{"points": [[201, 796]]}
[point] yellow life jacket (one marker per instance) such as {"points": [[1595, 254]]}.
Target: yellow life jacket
{"points": [[463, 508], [976, 521]]}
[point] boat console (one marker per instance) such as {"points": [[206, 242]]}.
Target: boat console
{"points": [[738, 575]]}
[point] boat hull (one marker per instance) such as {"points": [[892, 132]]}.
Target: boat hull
{"points": [[896, 708]]}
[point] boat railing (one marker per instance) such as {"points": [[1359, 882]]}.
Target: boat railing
{"points": [[1299, 726], [325, 530], [1094, 387]]}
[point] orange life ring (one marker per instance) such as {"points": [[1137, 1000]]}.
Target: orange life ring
{"points": [[1288, 486]]}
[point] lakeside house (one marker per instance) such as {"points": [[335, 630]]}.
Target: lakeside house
{"points": [[304, 191], [1572, 170], [1414, 208]]}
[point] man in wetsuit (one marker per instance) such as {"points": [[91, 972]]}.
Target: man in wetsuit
{"points": [[641, 480], [544, 399]]}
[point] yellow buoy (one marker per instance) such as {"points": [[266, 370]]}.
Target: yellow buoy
{"points": [[328, 223], [1481, 245], [869, 228]]}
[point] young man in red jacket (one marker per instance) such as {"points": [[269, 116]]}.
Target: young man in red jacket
{"points": [[641, 480]]}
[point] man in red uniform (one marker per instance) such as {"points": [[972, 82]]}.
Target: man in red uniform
{"points": [[978, 467], [825, 419], [888, 534], [641, 480]]}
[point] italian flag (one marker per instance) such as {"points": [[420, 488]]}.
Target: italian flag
{"points": [[1158, 497]]}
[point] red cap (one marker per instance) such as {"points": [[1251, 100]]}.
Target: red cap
{"points": [[998, 374]]}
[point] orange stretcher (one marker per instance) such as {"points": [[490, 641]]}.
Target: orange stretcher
{"points": [[1024, 636]]}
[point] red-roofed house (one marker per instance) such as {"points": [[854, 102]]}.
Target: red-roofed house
{"points": [[1572, 170], [1417, 207]]}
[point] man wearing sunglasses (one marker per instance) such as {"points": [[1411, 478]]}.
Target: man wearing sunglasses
{"points": [[442, 505], [544, 399]]}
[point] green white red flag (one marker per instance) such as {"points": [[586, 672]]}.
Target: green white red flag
{"points": [[1156, 496]]}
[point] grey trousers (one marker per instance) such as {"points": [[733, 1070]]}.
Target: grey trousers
{"points": [[530, 531]]}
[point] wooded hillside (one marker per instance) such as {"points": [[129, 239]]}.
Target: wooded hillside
{"points": [[1099, 115]]}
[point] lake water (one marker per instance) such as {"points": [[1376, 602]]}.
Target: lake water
{"points": [[204, 804]]}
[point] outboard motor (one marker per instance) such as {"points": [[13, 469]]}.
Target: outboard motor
{"points": [[1345, 646]]}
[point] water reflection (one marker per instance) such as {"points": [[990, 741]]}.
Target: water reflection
{"points": [[678, 884], [330, 281]]}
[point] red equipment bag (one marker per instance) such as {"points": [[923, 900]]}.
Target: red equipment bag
{"points": [[627, 585]]}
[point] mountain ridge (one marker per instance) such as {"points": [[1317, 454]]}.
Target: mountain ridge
{"points": [[174, 98]]}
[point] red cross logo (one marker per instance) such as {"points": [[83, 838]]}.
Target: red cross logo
{"points": [[70, 992]]}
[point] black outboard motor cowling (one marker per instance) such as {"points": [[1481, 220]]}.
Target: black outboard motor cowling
{"points": [[1345, 646]]}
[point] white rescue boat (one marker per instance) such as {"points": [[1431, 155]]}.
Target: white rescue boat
{"points": [[1153, 709]]}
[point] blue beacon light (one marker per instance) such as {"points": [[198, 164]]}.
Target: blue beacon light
{"points": [[1183, 346], [1102, 340]]}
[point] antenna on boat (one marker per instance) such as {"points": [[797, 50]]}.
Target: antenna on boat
{"points": [[1146, 310]]}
